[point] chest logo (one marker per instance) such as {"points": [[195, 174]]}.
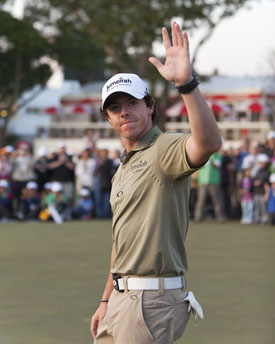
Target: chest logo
{"points": [[139, 167]]}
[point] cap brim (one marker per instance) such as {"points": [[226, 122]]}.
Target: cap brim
{"points": [[136, 95]]}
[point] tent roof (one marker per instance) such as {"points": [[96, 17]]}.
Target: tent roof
{"points": [[241, 85]]}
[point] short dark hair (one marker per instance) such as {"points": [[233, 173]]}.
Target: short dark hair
{"points": [[148, 101]]}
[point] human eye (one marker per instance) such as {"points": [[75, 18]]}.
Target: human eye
{"points": [[114, 108], [133, 102]]}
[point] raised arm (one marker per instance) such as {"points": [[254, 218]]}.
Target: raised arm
{"points": [[205, 138]]}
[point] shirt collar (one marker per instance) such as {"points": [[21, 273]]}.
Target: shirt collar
{"points": [[145, 142]]}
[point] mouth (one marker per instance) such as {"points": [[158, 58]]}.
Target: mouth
{"points": [[125, 123]]}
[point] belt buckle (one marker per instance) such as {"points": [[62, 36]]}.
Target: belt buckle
{"points": [[115, 283]]}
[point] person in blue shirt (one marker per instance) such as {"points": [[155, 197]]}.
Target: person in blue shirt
{"points": [[5, 200], [29, 202], [84, 206]]}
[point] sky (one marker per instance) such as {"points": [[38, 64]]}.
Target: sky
{"points": [[239, 46]]}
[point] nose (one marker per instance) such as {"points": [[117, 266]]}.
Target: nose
{"points": [[124, 112]]}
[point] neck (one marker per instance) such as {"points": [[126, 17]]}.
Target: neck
{"points": [[130, 143]]}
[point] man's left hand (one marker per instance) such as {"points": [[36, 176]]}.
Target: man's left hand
{"points": [[177, 67]]}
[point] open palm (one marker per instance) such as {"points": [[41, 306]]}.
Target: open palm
{"points": [[177, 67]]}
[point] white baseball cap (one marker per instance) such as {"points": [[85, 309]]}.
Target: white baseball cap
{"points": [[263, 158], [61, 144], [9, 149], [271, 135], [84, 192], [4, 183], [272, 178], [48, 186], [42, 151], [127, 83], [31, 185], [56, 187], [246, 164]]}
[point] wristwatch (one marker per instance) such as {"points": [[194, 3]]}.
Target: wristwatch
{"points": [[190, 86]]}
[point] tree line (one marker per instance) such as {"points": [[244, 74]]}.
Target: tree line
{"points": [[92, 39]]}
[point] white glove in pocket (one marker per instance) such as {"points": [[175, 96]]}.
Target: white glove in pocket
{"points": [[194, 306]]}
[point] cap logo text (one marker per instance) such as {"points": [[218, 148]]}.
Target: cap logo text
{"points": [[118, 82]]}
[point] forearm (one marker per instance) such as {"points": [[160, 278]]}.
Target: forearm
{"points": [[205, 138], [54, 164], [108, 288], [205, 131], [102, 309], [69, 165], [109, 284]]}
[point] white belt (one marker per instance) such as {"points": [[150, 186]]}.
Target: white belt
{"points": [[135, 283]]}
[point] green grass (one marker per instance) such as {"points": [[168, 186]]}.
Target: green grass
{"points": [[52, 276]]}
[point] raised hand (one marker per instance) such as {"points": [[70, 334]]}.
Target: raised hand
{"points": [[177, 67]]}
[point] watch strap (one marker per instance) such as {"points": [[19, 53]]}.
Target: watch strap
{"points": [[189, 86]]}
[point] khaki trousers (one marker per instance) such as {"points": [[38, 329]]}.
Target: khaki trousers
{"points": [[215, 194], [144, 317]]}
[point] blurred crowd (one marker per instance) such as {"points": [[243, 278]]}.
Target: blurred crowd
{"points": [[58, 186], [236, 183]]}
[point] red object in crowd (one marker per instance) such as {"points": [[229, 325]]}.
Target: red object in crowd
{"points": [[51, 110], [216, 108], [23, 144], [183, 110], [79, 109], [255, 107]]}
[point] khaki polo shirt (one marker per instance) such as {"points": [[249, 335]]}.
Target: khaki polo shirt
{"points": [[150, 205]]}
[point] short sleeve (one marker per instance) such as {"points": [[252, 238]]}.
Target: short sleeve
{"points": [[172, 155]]}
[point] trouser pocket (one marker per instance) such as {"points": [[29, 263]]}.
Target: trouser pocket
{"points": [[165, 316]]}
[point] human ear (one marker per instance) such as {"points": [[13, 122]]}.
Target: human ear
{"points": [[152, 107]]}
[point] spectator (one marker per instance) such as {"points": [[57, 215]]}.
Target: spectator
{"points": [[251, 159], [62, 171], [47, 189], [242, 152], [193, 194], [270, 198], [84, 171], [209, 181], [116, 159], [104, 172], [29, 202], [56, 199], [10, 152], [270, 144], [5, 166], [41, 168], [60, 200], [227, 184], [22, 170], [20, 165], [246, 191], [89, 139], [5, 201], [272, 165], [260, 183], [9, 149], [84, 206]]}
